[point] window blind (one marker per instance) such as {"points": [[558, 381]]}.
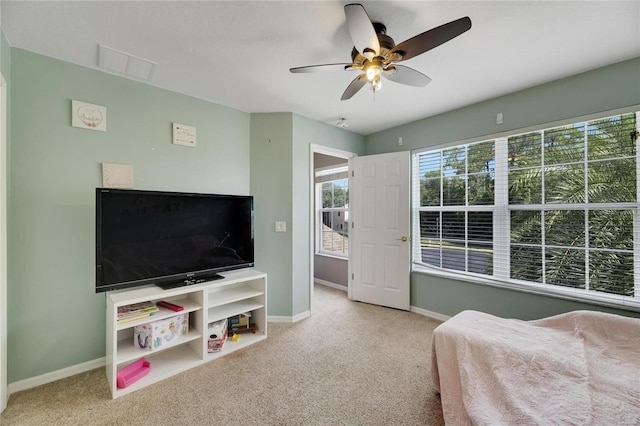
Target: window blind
{"points": [[557, 207]]}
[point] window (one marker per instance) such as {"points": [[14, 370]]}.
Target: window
{"points": [[456, 207], [333, 215], [554, 208]]}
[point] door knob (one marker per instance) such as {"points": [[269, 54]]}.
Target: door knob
{"points": [[403, 239]]}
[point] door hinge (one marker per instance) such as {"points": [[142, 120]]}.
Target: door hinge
{"points": [[353, 173], [352, 276]]}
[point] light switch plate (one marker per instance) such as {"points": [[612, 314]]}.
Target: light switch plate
{"points": [[281, 226]]}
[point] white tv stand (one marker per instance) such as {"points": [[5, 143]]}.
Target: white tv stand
{"points": [[239, 291]]}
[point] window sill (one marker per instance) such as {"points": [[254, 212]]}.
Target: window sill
{"points": [[575, 295], [332, 256]]}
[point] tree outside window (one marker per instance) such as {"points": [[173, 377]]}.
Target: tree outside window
{"points": [[565, 217]]}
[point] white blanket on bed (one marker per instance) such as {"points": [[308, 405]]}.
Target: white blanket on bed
{"points": [[579, 368]]}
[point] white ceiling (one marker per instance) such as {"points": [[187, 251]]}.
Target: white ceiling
{"points": [[238, 53]]}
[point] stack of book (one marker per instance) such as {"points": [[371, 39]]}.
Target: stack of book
{"points": [[136, 311]]}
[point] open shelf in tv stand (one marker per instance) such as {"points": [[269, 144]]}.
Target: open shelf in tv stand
{"points": [[240, 291]]}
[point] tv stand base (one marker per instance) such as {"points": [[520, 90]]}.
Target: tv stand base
{"points": [[239, 292]]}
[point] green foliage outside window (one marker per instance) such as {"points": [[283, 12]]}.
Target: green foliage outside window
{"points": [[590, 165]]}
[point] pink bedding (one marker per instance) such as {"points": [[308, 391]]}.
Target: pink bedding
{"points": [[578, 368]]}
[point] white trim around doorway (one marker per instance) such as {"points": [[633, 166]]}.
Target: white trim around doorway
{"points": [[320, 149]]}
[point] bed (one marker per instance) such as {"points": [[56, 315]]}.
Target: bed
{"points": [[578, 368]]}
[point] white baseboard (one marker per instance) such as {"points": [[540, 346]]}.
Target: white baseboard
{"points": [[295, 318], [42, 379], [330, 284], [53, 376], [430, 314]]}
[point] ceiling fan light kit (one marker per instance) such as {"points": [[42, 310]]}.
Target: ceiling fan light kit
{"points": [[375, 54], [373, 71]]}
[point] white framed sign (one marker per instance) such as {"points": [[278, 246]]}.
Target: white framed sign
{"points": [[184, 135], [88, 116], [117, 175]]}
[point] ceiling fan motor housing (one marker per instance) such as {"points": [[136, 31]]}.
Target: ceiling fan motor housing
{"points": [[386, 44]]}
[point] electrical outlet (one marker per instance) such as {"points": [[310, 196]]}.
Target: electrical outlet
{"points": [[281, 226], [499, 118]]}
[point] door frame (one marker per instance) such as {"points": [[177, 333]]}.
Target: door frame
{"points": [[334, 152]]}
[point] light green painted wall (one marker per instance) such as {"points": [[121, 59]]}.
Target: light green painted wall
{"points": [[271, 186], [5, 57], [449, 297], [5, 70], [603, 89], [301, 242], [305, 133], [51, 230], [55, 318], [280, 172]]}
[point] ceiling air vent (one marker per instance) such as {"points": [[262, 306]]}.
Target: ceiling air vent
{"points": [[119, 62]]}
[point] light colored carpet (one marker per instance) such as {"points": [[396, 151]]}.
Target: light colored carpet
{"points": [[350, 363]]}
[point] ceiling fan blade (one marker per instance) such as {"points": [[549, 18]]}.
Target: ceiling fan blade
{"points": [[430, 39], [353, 88], [361, 30], [405, 75], [321, 68]]}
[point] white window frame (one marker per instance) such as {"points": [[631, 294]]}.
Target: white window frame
{"points": [[502, 209], [324, 175]]}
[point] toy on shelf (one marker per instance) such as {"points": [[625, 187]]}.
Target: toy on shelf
{"points": [[133, 372], [239, 324], [217, 335], [170, 306], [161, 333]]}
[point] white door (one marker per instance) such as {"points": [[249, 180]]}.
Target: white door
{"points": [[379, 250]]}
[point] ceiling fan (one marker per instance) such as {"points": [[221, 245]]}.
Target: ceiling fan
{"points": [[375, 54]]}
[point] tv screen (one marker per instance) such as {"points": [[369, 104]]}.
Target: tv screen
{"points": [[168, 238]]}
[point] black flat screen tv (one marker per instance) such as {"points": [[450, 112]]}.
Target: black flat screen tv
{"points": [[169, 239]]}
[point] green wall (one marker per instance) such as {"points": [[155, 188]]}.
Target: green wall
{"points": [[271, 186], [280, 169], [448, 296], [5, 57], [5, 70], [305, 133], [603, 89], [55, 319]]}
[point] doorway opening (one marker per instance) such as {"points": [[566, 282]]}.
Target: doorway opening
{"points": [[329, 189]]}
